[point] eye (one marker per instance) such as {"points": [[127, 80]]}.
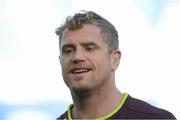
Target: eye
{"points": [[67, 50], [90, 48]]}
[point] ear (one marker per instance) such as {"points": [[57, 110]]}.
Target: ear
{"points": [[115, 59]]}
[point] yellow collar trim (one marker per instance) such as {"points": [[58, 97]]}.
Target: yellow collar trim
{"points": [[107, 115], [69, 112]]}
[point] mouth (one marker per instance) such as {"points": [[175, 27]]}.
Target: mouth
{"points": [[80, 70]]}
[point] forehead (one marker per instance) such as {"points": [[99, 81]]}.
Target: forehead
{"points": [[87, 33]]}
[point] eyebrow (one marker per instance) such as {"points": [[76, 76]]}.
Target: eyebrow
{"points": [[68, 46], [83, 44], [89, 44]]}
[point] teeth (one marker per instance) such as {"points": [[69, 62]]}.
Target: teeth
{"points": [[79, 71]]}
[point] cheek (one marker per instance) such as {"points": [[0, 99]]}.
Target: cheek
{"points": [[102, 64], [64, 64]]}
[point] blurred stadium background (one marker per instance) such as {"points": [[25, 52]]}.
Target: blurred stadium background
{"points": [[31, 86]]}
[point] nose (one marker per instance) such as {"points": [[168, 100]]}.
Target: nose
{"points": [[78, 57]]}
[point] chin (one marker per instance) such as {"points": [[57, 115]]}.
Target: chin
{"points": [[80, 91]]}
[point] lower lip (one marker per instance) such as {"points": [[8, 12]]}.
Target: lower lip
{"points": [[79, 76], [79, 73], [82, 72]]}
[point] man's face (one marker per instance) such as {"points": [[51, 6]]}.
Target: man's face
{"points": [[85, 58]]}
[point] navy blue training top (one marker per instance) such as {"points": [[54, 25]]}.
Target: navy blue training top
{"points": [[130, 108]]}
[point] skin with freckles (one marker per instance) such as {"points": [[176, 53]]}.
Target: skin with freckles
{"points": [[88, 69]]}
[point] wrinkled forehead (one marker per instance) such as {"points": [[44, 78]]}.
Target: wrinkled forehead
{"points": [[86, 32]]}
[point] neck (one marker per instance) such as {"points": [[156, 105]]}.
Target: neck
{"points": [[96, 103]]}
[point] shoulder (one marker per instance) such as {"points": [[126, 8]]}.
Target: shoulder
{"points": [[135, 108], [63, 116]]}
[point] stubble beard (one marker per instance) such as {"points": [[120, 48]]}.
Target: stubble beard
{"points": [[88, 89], [76, 90]]}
